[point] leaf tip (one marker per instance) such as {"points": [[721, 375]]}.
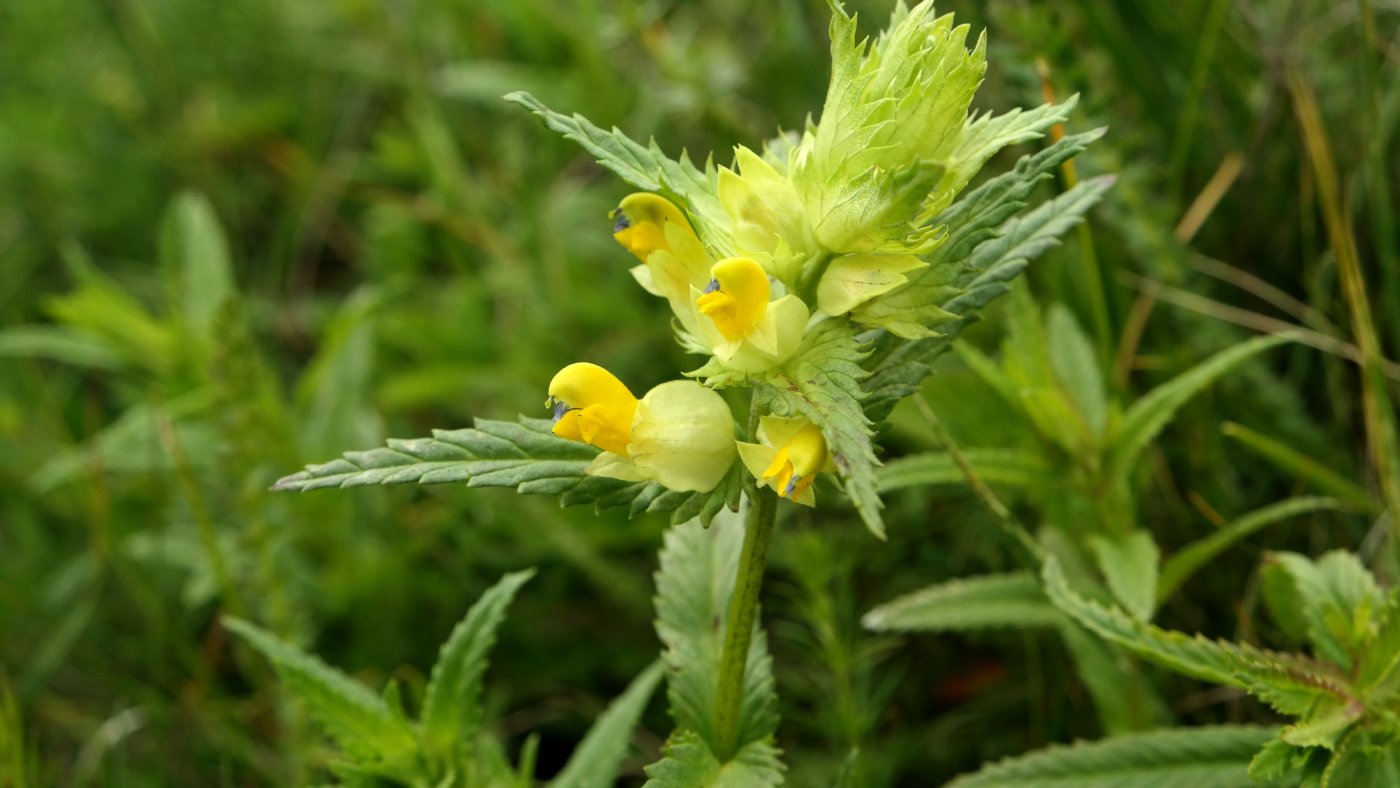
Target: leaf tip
{"points": [[291, 482]]}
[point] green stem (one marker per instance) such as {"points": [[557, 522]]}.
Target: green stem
{"points": [[743, 616]]}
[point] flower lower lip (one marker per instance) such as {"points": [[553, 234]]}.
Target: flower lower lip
{"points": [[560, 409]]}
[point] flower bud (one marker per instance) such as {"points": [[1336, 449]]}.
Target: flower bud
{"points": [[894, 115]]}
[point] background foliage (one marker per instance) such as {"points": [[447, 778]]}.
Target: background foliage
{"points": [[237, 238]]}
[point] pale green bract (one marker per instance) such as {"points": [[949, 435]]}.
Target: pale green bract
{"points": [[894, 115]]}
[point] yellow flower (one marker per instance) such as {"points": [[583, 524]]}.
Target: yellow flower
{"points": [[680, 434], [592, 406], [735, 319], [789, 455], [673, 260], [641, 222], [736, 298]]}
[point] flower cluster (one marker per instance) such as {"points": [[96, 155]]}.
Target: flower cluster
{"points": [[828, 225]]}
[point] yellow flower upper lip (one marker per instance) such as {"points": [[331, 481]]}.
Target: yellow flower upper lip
{"points": [[736, 298], [592, 406], [641, 221]]}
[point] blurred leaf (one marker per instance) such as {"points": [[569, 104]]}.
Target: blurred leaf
{"points": [[1185, 562], [1123, 695], [356, 718], [1207, 757], [333, 396], [1129, 564], [1299, 465], [1378, 669], [1011, 467], [594, 762], [1149, 414], [100, 309], [195, 257], [1365, 761], [1038, 392], [693, 587], [59, 344], [1290, 684], [1338, 597], [1072, 357], [1276, 760], [131, 443], [1007, 600], [526, 456], [452, 700]]}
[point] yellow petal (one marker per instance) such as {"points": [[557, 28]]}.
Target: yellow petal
{"points": [[795, 453], [737, 297], [592, 406], [756, 457], [642, 220]]}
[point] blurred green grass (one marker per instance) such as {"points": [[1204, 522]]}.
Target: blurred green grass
{"points": [[404, 251]]}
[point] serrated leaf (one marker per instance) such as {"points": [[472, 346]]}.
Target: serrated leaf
{"points": [[687, 762], [355, 717], [1275, 761], [1364, 760], [1129, 564], [1289, 683], [979, 219], [1022, 238], [646, 167], [1009, 467], [1185, 562], [594, 762], [1006, 600], [823, 383], [1149, 414], [1325, 726], [452, 699], [1338, 598], [1208, 757], [693, 586], [523, 455], [985, 134]]}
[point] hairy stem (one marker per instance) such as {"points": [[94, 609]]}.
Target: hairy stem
{"points": [[743, 616]]}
